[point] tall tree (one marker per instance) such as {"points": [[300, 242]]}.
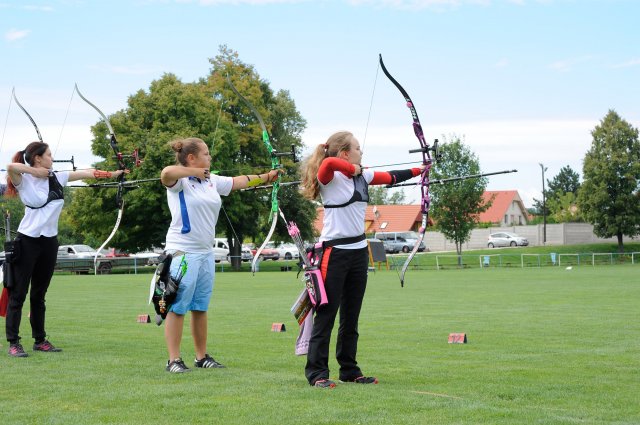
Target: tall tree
{"points": [[207, 109], [609, 197], [456, 205]]}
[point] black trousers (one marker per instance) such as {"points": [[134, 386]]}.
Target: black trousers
{"points": [[35, 265], [345, 284]]}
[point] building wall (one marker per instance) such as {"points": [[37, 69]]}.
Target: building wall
{"points": [[557, 234], [515, 215]]}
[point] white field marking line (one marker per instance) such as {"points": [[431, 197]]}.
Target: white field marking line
{"points": [[437, 395]]}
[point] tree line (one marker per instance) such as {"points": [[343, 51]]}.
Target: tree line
{"points": [[608, 197]]}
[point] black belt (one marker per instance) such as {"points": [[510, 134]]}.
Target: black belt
{"points": [[344, 241]]}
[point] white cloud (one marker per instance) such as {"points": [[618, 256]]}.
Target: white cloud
{"points": [[14, 34], [568, 64], [627, 64], [499, 145], [502, 63], [38, 8], [239, 2]]}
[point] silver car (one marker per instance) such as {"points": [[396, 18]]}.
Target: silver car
{"points": [[506, 239]]}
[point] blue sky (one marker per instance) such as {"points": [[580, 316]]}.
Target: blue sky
{"points": [[524, 81]]}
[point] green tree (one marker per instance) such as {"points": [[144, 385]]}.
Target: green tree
{"points": [[14, 209], [564, 208], [609, 197], [207, 109], [567, 181], [379, 195], [456, 205]]}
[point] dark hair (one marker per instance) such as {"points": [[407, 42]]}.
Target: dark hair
{"points": [[184, 147], [27, 156]]}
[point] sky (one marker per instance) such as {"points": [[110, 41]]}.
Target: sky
{"points": [[523, 82]]}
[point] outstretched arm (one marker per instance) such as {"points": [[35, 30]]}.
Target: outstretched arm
{"points": [[94, 174], [242, 182], [395, 176]]}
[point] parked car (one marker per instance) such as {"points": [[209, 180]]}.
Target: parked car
{"points": [[221, 249], [77, 251], [245, 254], [399, 241], [79, 259], [114, 252], [152, 257], [268, 253], [288, 251], [506, 239]]}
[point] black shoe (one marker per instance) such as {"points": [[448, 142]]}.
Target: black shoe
{"points": [[46, 346], [324, 383], [177, 366], [362, 380], [16, 350], [208, 362]]}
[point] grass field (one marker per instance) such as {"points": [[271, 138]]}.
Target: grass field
{"points": [[545, 346]]}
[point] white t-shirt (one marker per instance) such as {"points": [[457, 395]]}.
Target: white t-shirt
{"points": [[347, 221], [34, 192], [195, 207]]}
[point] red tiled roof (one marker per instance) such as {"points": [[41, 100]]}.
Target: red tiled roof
{"points": [[502, 200], [399, 218]]}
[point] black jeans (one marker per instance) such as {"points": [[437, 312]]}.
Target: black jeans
{"points": [[345, 284], [35, 266]]}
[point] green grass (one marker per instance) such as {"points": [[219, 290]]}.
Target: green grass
{"points": [[546, 346]]}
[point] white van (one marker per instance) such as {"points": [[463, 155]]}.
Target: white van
{"points": [[221, 249]]}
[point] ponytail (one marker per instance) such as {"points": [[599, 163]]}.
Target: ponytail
{"points": [[27, 156], [337, 142]]}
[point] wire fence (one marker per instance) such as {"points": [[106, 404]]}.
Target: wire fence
{"points": [[482, 261]]}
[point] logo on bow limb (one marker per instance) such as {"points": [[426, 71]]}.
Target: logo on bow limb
{"points": [[275, 165], [427, 161]]}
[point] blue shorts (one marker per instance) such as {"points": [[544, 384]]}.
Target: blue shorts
{"points": [[196, 285]]}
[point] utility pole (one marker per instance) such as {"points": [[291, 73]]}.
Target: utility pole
{"points": [[544, 208]]}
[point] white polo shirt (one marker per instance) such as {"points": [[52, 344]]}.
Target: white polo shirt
{"points": [[347, 221], [195, 207], [34, 192]]}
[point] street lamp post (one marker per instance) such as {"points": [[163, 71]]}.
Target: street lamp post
{"points": [[544, 208]]}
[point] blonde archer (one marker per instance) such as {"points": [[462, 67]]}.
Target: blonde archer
{"points": [[337, 142]]}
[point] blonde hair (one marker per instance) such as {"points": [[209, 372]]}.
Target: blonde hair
{"points": [[184, 147], [336, 143]]}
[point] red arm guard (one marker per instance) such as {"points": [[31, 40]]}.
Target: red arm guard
{"points": [[329, 165]]}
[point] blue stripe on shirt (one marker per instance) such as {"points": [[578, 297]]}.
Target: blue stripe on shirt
{"points": [[186, 225]]}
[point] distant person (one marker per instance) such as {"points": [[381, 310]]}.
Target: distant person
{"points": [[30, 175], [194, 200], [333, 172]]}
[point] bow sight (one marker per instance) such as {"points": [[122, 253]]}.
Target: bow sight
{"points": [[437, 155]]}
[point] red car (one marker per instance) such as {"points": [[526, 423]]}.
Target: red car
{"points": [[267, 253], [113, 252]]}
